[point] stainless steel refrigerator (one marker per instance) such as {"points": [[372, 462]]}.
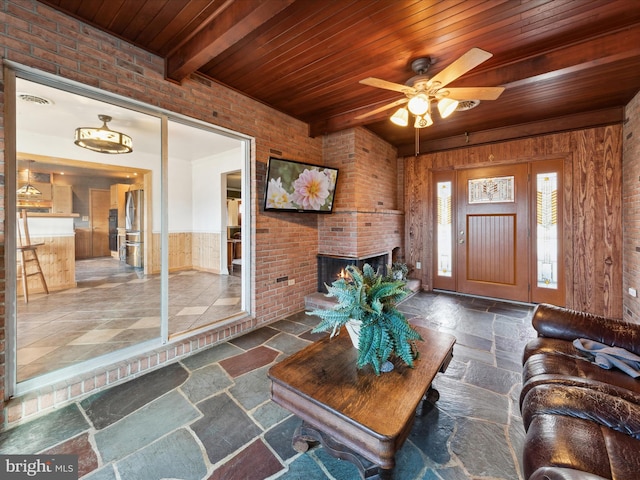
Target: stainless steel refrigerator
{"points": [[134, 209]]}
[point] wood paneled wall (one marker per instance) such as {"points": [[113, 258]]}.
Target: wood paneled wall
{"points": [[631, 202], [188, 250], [593, 207], [205, 251]]}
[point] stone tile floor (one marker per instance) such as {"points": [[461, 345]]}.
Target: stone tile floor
{"points": [[210, 416], [113, 307]]}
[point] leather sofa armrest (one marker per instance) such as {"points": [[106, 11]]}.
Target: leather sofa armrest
{"points": [[566, 324], [559, 441], [584, 403], [557, 473]]}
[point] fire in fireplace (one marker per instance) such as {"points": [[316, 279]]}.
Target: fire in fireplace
{"points": [[331, 267]]}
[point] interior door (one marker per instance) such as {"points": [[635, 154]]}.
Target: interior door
{"points": [[492, 247], [100, 203]]}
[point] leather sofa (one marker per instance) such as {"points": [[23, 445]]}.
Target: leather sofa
{"points": [[581, 421]]}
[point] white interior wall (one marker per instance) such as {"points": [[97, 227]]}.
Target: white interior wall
{"points": [[207, 199], [180, 206]]}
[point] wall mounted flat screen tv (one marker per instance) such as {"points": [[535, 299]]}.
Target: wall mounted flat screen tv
{"points": [[299, 187]]}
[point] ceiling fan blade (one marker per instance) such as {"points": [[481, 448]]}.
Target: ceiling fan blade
{"points": [[474, 93], [396, 87], [462, 65], [383, 108]]}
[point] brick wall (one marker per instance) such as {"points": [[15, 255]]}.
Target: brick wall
{"points": [[367, 217], [285, 244], [376, 165], [631, 210]]}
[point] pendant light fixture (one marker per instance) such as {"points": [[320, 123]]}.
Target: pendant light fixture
{"points": [[28, 189], [103, 139]]}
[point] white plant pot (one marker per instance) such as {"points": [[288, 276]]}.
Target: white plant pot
{"points": [[353, 327]]}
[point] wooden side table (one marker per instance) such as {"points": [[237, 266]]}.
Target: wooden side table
{"points": [[354, 412]]}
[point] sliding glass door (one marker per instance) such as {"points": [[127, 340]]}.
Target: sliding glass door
{"points": [[133, 247]]}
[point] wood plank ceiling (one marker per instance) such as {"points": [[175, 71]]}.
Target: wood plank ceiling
{"points": [[564, 63]]}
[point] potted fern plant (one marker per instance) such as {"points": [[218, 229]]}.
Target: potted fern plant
{"points": [[369, 300]]}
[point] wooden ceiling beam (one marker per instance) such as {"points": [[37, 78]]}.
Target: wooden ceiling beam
{"points": [[230, 24], [620, 45], [598, 118], [347, 120]]}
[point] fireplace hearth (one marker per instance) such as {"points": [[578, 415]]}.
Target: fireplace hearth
{"points": [[330, 267]]}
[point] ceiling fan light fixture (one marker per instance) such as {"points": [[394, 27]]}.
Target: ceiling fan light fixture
{"points": [[419, 105], [446, 106], [401, 117], [423, 121], [103, 139]]}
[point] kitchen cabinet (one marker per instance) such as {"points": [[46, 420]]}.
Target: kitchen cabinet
{"points": [[118, 191], [83, 243], [62, 199]]}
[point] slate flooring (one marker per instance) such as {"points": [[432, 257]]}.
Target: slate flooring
{"points": [[210, 417]]}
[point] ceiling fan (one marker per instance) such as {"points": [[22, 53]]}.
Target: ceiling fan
{"points": [[421, 91]]}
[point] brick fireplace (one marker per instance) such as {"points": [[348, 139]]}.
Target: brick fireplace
{"points": [[367, 223]]}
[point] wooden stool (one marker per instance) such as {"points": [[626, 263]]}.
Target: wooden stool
{"points": [[28, 256]]}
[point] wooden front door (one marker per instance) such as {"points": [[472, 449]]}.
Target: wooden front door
{"points": [[492, 232], [100, 202], [497, 232]]}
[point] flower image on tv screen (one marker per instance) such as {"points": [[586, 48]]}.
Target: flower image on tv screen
{"points": [[299, 187]]}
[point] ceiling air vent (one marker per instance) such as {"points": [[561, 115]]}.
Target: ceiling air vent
{"points": [[29, 98], [467, 105]]}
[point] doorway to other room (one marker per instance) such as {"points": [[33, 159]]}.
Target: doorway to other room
{"points": [[129, 288]]}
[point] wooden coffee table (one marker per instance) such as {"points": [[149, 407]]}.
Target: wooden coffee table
{"points": [[352, 412]]}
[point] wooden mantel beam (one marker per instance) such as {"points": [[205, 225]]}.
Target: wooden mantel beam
{"points": [[230, 24]]}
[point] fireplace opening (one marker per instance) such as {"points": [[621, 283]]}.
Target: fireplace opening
{"points": [[330, 267]]}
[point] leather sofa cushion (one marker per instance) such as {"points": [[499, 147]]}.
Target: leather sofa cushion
{"points": [[581, 445], [555, 473], [558, 364], [553, 346], [579, 402]]}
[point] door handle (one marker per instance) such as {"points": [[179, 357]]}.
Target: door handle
{"points": [[461, 241]]}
